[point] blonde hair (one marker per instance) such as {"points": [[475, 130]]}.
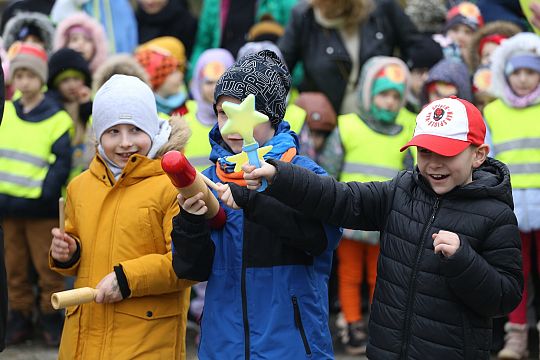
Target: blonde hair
{"points": [[353, 12]]}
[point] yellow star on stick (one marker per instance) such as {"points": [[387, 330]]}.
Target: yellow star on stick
{"points": [[242, 158], [242, 119]]}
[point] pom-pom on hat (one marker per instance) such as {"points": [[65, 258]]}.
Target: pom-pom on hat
{"points": [[29, 56], [262, 74], [465, 13], [125, 99], [448, 126], [158, 64]]}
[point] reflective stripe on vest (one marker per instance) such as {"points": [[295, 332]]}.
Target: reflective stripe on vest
{"points": [[516, 141], [369, 156], [198, 147], [295, 116], [25, 164]]}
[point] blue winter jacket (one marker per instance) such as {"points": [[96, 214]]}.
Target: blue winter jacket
{"points": [[267, 272]]}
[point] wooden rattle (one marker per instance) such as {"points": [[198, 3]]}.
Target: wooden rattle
{"points": [[62, 299]]}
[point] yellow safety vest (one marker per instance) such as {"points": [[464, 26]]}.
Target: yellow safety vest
{"points": [[407, 119], [515, 134], [369, 156], [295, 116], [198, 147], [24, 164]]}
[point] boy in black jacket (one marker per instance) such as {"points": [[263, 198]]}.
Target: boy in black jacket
{"points": [[450, 252]]}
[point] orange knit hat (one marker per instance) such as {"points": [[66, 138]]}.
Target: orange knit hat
{"points": [[158, 64]]}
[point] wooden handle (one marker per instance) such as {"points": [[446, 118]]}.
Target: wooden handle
{"points": [[67, 298], [61, 214]]}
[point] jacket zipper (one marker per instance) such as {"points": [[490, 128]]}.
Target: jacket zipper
{"points": [[299, 325], [244, 297], [412, 288]]}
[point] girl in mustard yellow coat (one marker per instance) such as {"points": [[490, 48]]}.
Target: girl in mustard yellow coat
{"points": [[117, 234]]}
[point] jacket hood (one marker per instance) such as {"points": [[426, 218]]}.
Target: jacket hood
{"points": [[96, 30], [221, 150], [124, 64], [491, 179], [522, 42], [429, 16], [505, 28], [16, 23], [179, 137], [367, 78], [453, 72]]}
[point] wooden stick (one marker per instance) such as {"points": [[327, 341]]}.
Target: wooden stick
{"points": [[209, 182], [62, 299], [61, 214]]}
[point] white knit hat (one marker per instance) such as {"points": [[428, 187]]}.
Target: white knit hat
{"points": [[125, 99]]}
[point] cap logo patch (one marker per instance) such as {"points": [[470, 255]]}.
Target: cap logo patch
{"points": [[439, 116], [125, 116]]}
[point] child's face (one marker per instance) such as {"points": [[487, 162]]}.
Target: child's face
{"points": [[418, 78], [70, 88], [152, 6], [27, 82], [172, 84], [207, 90], [121, 141], [524, 81], [442, 90], [82, 44], [461, 35], [444, 173], [487, 50], [388, 100], [262, 132]]}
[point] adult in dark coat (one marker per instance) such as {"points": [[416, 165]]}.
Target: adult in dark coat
{"points": [[41, 6], [3, 281], [174, 19], [323, 52]]}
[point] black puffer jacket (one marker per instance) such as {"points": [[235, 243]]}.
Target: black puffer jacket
{"points": [[3, 281], [425, 306], [327, 64]]}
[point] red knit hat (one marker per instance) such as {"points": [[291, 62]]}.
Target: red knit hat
{"points": [[158, 65]]}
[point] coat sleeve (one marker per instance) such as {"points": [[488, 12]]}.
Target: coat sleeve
{"points": [[404, 30], [491, 282], [291, 226], [153, 274], [351, 205], [193, 254], [290, 43]]}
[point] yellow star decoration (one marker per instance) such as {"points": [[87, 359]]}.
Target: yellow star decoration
{"points": [[242, 119], [242, 158]]}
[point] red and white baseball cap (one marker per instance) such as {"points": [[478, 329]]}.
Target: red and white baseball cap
{"points": [[448, 126]]}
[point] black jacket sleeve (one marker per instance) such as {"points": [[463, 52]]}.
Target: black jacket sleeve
{"points": [[490, 283], [352, 205], [193, 251], [291, 226], [58, 171]]}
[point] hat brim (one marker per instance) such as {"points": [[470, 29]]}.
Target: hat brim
{"points": [[440, 145]]}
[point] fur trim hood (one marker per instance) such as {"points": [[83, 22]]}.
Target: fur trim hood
{"points": [[39, 20], [118, 64], [505, 28], [520, 43], [367, 77], [429, 16], [179, 137], [96, 30]]}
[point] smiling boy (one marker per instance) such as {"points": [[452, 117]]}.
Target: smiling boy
{"points": [[450, 250]]}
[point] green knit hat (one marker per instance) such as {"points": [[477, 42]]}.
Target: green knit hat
{"points": [[390, 77]]}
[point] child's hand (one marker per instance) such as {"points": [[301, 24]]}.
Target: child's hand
{"points": [[63, 246], [446, 242], [225, 194], [108, 289], [253, 175], [194, 205]]}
